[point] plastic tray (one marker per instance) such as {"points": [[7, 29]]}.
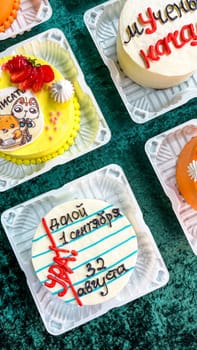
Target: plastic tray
{"points": [[142, 104], [163, 151], [27, 18], [94, 131], [109, 184]]}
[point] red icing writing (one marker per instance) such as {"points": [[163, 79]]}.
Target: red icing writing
{"points": [[151, 20], [178, 39], [59, 271], [148, 24]]}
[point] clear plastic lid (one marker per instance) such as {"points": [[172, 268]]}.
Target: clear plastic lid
{"points": [[108, 184]]}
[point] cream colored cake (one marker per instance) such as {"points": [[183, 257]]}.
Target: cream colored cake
{"points": [[84, 251], [156, 42]]}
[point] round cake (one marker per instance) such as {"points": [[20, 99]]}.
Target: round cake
{"points": [[156, 41], [39, 111], [84, 251], [8, 13], [186, 172]]}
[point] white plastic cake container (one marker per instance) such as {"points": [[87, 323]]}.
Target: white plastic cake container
{"points": [[109, 184], [27, 18], [163, 151], [142, 104], [92, 120]]}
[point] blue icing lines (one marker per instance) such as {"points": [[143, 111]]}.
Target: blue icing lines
{"points": [[102, 254], [111, 275], [87, 247], [79, 237], [72, 223], [95, 248]]}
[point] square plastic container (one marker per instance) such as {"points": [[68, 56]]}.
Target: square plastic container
{"points": [[27, 18], [94, 131], [109, 184], [142, 104], [163, 151]]}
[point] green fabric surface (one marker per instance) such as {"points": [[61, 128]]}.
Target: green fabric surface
{"points": [[164, 319]]}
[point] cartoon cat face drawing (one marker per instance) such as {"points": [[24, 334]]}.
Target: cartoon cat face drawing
{"points": [[26, 108]]}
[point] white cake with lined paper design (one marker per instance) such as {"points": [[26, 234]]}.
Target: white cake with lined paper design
{"points": [[84, 251]]}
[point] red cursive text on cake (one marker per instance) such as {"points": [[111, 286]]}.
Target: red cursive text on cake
{"points": [[59, 271], [178, 39]]}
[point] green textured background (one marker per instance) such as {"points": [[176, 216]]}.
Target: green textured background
{"points": [[165, 319]]}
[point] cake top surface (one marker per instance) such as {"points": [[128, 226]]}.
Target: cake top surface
{"points": [[84, 251], [160, 36]]}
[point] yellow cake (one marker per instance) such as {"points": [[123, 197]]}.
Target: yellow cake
{"points": [[49, 118]]}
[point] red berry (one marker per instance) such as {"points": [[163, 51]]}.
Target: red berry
{"points": [[48, 73], [20, 76], [27, 74], [17, 63], [29, 81], [39, 79]]}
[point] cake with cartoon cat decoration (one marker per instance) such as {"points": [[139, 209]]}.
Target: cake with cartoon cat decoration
{"points": [[84, 251], [186, 172], [39, 110], [8, 13], [157, 42]]}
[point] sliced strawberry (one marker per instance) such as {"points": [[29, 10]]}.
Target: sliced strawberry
{"points": [[39, 79], [29, 81], [48, 73], [27, 74], [19, 76], [17, 63]]}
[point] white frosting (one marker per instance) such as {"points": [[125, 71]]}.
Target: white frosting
{"points": [[171, 68], [192, 170], [61, 91], [105, 241]]}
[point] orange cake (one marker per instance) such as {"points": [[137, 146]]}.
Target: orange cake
{"points": [[8, 13], [186, 172], [39, 111]]}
